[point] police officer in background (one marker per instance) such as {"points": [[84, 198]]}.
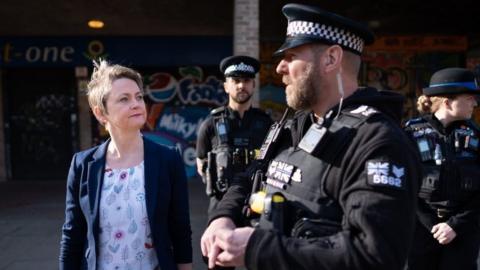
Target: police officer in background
{"points": [[340, 190], [447, 233], [228, 138]]}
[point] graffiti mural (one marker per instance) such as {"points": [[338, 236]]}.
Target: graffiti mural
{"points": [[405, 63], [392, 71], [406, 72], [177, 105]]}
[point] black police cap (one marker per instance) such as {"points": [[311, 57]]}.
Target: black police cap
{"points": [[452, 81], [309, 24], [239, 66]]}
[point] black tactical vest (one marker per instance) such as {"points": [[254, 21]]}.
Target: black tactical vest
{"points": [[451, 164], [237, 139], [299, 173]]}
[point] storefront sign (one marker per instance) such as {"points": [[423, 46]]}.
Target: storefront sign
{"points": [[137, 51], [420, 43]]}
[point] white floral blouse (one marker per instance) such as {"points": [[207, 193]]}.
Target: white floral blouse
{"points": [[125, 238]]}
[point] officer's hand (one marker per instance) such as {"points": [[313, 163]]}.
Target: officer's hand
{"points": [[232, 245], [443, 233], [208, 237]]}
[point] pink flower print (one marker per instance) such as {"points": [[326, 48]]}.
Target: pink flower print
{"points": [[123, 175], [119, 235]]}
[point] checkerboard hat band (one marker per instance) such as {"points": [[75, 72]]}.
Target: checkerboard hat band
{"points": [[334, 34], [240, 67]]}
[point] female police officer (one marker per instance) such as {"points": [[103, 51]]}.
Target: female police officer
{"points": [[447, 234]]}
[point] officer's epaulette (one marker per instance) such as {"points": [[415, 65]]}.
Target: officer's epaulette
{"points": [[218, 110], [356, 115], [416, 122]]}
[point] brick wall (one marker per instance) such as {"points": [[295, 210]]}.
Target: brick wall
{"points": [[246, 33]]}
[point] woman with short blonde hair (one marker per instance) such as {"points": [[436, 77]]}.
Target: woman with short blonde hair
{"points": [[127, 199]]}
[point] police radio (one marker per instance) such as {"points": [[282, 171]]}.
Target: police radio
{"points": [[466, 140], [222, 130], [269, 143], [424, 148]]}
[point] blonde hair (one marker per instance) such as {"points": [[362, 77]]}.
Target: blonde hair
{"points": [[103, 76], [426, 104]]}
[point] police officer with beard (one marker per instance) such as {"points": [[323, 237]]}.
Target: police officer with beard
{"points": [[340, 190], [447, 235], [228, 139]]}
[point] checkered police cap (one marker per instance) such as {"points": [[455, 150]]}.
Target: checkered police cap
{"points": [[336, 35], [308, 24], [239, 66]]}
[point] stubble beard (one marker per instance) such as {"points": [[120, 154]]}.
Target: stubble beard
{"points": [[303, 94], [241, 99]]}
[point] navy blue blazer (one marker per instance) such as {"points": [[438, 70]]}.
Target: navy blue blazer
{"points": [[166, 200]]}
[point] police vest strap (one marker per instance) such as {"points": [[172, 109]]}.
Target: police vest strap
{"points": [[218, 111], [220, 125], [417, 123]]}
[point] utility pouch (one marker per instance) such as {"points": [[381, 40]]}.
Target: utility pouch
{"points": [[430, 182], [223, 166], [273, 212]]}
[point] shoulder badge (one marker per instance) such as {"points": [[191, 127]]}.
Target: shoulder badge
{"points": [[385, 174]]}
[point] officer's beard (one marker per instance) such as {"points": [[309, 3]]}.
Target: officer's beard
{"points": [[241, 99], [302, 94]]}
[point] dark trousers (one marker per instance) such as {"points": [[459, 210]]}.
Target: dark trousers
{"points": [[428, 254]]}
